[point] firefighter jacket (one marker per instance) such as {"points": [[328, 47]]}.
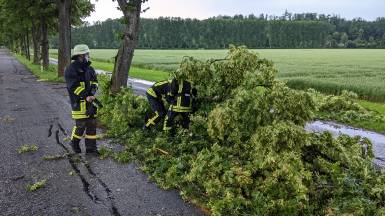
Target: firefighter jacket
{"points": [[160, 89], [184, 96], [81, 82]]}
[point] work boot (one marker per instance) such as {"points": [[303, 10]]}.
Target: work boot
{"points": [[94, 153], [75, 146]]}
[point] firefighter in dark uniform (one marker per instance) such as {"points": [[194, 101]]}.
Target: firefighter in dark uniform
{"points": [[183, 103], [155, 95], [82, 85]]}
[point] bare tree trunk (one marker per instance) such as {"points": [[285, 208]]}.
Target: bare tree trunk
{"points": [[36, 43], [123, 60], [23, 46], [44, 43], [27, 46], [64, 59]]}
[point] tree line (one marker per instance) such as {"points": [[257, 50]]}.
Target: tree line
{"points": [[26, 24], [29, 24], [307, 30]]}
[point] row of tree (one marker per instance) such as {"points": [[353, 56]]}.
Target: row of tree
{"points": [[26, 24], [307, 30]]}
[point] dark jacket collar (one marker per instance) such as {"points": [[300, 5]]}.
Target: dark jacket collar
{"points": [[83, 65]]}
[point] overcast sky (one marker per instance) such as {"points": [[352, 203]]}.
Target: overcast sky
{"points": [[201, 9]]}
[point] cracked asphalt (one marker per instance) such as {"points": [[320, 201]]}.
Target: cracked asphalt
{"points": [[36, 113]]}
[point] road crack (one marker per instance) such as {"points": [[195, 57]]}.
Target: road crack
{"points": [[87, 185]]}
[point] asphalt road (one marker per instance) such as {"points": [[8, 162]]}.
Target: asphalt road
{"points": [[33, 112]]}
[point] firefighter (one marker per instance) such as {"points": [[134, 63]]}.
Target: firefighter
{"points": [[155, 95], [82, 85], [183, 103]]}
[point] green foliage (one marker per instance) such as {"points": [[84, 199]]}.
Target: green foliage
{"points": [[121, 111], [49, 75], [27, 149], [36, 186], [18, 19], [344, 108], [295, 31], [246, 152]]}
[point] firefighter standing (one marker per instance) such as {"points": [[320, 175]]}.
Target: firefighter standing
{"points": [[82, 85]]}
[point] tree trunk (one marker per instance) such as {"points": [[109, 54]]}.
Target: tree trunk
{"points": [[36, 43], [23, 46], [27, 46], [44, 44], [123, 60], [64, 59]]}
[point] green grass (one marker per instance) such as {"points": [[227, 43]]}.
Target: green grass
{"points": [[145, 73], [136, 72], [376, 107], [327, 70], [370, 125], [49, 75]]}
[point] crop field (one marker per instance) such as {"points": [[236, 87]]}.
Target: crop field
{"points": [[327, 70]]}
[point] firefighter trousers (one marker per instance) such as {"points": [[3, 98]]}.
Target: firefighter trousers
{"points": [[87, 125], [169, 122], [158, 111]]}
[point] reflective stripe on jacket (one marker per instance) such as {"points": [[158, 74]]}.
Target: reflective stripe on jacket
{"points": [[184, 96]]}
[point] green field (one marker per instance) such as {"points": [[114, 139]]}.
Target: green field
{"points": [[328, 70]]}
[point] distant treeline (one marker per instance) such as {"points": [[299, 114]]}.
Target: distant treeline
{"points": [[308, 30]]}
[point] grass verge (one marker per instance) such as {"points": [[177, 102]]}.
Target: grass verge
{"points": [[49, 75], [378, 108], [135, 72]]}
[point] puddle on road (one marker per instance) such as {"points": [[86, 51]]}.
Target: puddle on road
{"points": [[336, 129]]}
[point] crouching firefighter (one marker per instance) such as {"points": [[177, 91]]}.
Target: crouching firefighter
{"points": [[183, 103], [82, 85], [155, 95]]}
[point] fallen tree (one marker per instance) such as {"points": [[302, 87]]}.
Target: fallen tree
{"points": [[246, 152]]}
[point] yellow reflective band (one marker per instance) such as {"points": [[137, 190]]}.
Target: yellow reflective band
{"points": [[91, 136], [82, 105], [74, 133], [160, 83], [180, 87], [78, 90], [165, 128], [77, 112], [152, 120], [151, 92], [181, 109], [179, 101], [79, 116]]}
